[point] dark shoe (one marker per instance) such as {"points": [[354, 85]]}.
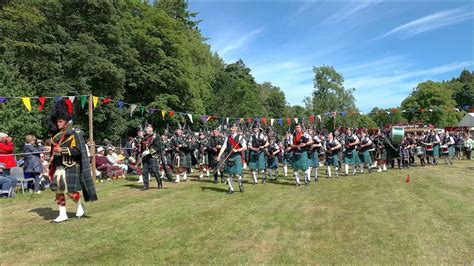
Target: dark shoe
{"points": [[298, 184], [145, 188], [230, 192]]}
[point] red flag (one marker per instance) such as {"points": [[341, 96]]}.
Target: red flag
{"points": [[407, 180], [311, 119], [106, 101], [288, 121], [264, 120], [69, 105], [42, 100], [171, 113], [249, 119]]}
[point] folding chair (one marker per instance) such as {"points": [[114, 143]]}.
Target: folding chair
{"points": [[17, 172]]}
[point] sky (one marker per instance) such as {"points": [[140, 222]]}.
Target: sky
{"points": [[383, 49]]}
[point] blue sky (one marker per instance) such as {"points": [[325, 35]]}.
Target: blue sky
{"points": [[383, 49]]}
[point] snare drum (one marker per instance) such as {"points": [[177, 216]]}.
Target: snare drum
{"points": [[429, 147], [444, 150], [419, 151]]}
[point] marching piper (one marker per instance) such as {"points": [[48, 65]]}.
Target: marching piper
{"points": [[257, 145], [350, 154], [332, 157], [299, 144], [363, 151]]}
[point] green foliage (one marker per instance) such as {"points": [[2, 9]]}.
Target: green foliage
{"points": [[329, 94], [389, 116], [434, 104]]}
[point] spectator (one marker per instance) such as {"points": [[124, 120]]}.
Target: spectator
{"points": [[116, 160], [32, 166], [45, 173], [104, 166], [6, 153], [468, 144], [7, 184]]}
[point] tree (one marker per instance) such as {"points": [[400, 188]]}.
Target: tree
{"points": [[329, 94]]}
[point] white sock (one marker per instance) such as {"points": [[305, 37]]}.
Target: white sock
{"points": [[62, 215], [346, 169], [285, 170], [201, 174], [254, 175], [297, 177], [307, 174], [270, 172], [177, 179], [384, 168], [329, 171], [229, 182], [316, 173], [80, 210], [207, 172], [361, 167]]}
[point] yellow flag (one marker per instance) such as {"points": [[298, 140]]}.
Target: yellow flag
{"points": [[26, 102], [163, 113], [95, 100]]}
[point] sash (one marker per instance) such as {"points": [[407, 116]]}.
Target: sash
{"points": [[297, 138], [60, 138], [234, 144]]}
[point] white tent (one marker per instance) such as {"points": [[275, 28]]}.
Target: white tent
{"points": [[467, 120]]}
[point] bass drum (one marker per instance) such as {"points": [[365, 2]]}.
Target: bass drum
{"points": [[397, 135], [419, 151]]}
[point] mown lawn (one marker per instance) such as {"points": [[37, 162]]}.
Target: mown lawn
{"points": [[370, 218]]}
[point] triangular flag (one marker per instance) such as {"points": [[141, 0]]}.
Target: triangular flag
{"points": [[241, 120], [142, 109], [69, 106], [249, 120], [271, 121], [57, 99], [26, 102], [163, 113], [204, 118], [153, 110], [120, 104], [264, 120], [42, 101], [280, 122], [288, 121], [132, 108], [343, 114], [83, 101], [296, 120], [311, 119], [190, 117], [171, 113], [3, 99], [106, 100], [72, 98], [319, 117], [95, 100], [227, 120]]}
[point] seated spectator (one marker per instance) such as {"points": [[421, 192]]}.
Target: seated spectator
{"points": [[6, 153], [44, 178], [115, 159], [132, 166], [7, 184], [103, 165], [32, 166]]}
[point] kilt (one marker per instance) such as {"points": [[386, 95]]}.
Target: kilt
{"points": [[67, 179], [212, 160], [301, 163], [236, 168], [185, 159], [451, 150], [286, 158], [313, 159], [434, 152], [332, 159], [257, 161], [272, 162], [364, 157], [203, 159], [351, 157]]}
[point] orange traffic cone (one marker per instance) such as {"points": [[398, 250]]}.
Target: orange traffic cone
{"points": [[407, 180]]}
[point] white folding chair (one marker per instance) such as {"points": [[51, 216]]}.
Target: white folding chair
{"points": [[17, 172]]}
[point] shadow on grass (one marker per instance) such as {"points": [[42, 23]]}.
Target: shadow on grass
{"points": [[134, 186], [282, 182], [215, 189], [49, 214]]}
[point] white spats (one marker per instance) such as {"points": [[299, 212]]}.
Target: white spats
{"points": [[62, 215], [80, 210]]}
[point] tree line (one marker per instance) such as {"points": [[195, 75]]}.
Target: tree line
{"points": [[154, 54]]}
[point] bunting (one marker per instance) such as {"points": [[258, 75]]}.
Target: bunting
{"points": [[42, 101], [95, 100], [132, 108], [27, 103], [190, 118], [83, 101]]}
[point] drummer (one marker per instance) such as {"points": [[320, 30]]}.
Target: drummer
{"points": [[448, 145], [432, 143], [420, 151]]}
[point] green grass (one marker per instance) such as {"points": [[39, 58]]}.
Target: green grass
{"points": [[370, 218]]}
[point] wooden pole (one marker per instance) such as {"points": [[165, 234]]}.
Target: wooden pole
{"points": [[91, 137], [334, 126]]}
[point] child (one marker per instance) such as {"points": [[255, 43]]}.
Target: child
{"points": [[32, 167]]}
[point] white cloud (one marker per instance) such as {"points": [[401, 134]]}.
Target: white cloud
{"points": [[431, 22], [238, 43], [350, 10]]}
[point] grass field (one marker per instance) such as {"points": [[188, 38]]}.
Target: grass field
{"points": [[370, 218]]}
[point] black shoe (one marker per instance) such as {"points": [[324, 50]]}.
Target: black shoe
{"points": [[216, 181], [298, 184], [145, 188], [230, 192], [241, 187]]}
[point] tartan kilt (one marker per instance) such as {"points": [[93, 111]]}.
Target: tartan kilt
{"points": [[212, 159], [272, 162], [451, 150], [235, 169], [70, 183], [351, 157], [205, 157], [364, 157], [257, 162], [434, 152], [151, 163], [332, 159], [185, 159], [286, 159], [313, 159], [301, 163]]}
